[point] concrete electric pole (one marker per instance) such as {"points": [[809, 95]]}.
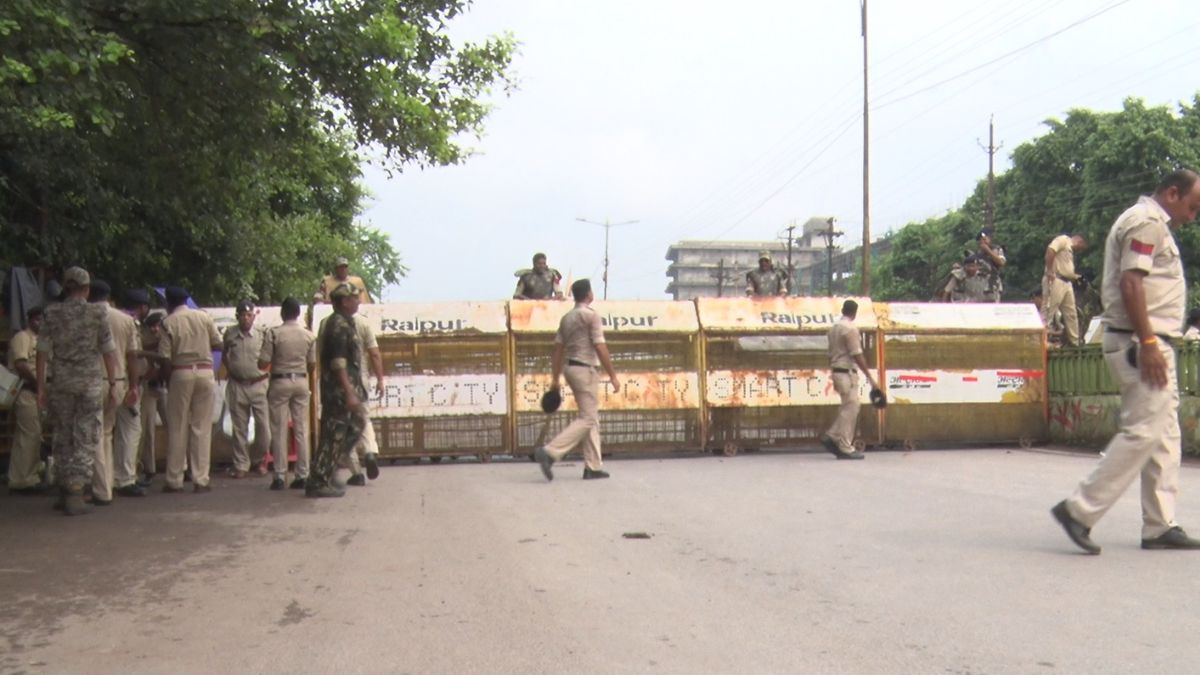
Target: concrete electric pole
{"points": [[607, 226]]}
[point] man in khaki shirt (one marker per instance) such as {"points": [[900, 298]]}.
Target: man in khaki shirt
{"points": [[246, 391], [24, 461], [579, 347], [113, 468], [289, 352], [188, 340], [1144, 295], [1058, 293], [341, 275], [155, 374], [846, 359]]}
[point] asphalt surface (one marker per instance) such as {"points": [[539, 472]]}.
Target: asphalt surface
{"points": [[923, 562]]}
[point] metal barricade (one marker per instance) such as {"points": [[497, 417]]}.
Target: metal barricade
{"points": [[655, 347], [767, 378], [445, 388], [963, 372]]}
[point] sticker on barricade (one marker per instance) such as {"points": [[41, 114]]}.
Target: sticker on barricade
{"points": [[965, 386], [441, 395], [775, 388], [639, 391]]}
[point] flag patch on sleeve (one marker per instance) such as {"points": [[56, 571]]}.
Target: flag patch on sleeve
{"points": [[1140, 247]]}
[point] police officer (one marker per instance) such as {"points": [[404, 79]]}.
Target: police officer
{"points": [[342, 394], [341, 275], [991, 264], [128, 430], [1058, 290], [289, 352], [73, 333], [766, 280], [246, 391], [1144, 295], [579, 347], [118, 469], [539, 283], [153, 411], [966, 283], [188, 340], [24, 460], [845, 360]]}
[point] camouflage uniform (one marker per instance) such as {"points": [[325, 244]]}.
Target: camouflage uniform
{"points": [[771, 282], [535, 285], [991, 273], [73, 334], [967, 288], [341, 427]]}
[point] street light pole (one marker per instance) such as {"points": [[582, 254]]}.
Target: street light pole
{"points": [[606, 225]]}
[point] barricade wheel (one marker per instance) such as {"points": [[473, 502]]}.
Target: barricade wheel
{"points": [[860, 444], [910, 444], [730, 449], [1025, 442], [485, 457]]}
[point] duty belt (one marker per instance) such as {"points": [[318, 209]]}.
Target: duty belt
{"points": [[581, 364], [846, 371], [1128, 331], [287, 376]]}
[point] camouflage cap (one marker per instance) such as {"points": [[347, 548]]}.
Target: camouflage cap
{"points": [[343, 291], [764, 255], [76, 276], [341, 260]]}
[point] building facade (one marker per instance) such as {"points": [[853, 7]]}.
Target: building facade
{"points": [[718, 268]]}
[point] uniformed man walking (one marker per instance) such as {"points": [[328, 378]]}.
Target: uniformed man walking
{"points": [[846, 360], [579, 348], [116, 471], [539, 283], [188, 340], [766, 280], [370, 361], [342, 394], [246, 391], [1144, 295], [73, 333], [341, 275], [289, 352], [23, 462], [1058, 290]]}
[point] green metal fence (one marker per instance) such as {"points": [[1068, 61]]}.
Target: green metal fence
{"points": [[1081, 371]]}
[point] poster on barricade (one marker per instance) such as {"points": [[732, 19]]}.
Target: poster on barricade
{"points": [[440, 395], [779, 314], [775, 388], [965, 386], [639, 391]]}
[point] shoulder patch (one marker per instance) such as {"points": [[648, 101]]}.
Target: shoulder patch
{"points": [[1141, 247]]}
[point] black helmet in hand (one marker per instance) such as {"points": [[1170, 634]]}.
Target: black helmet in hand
{"points": [[878, 398], [551, 400]]}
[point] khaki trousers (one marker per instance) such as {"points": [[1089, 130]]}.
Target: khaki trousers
{"points": [[27, 442], [244, 400], [102, 468], [585, 430], [846, 422], [128, 432], [189, 424], [1147, 444], [153, 412], [289, 399], [1059, 296]]}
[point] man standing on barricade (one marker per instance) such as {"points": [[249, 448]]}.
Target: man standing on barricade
{"points": [[991, 264], [246, 392], [966, 283], [115, 469], [846, 359], [24, 459], [341, 275], [539, 283], [343, 413], [766, 280], [1144, 295], [289, 352], [73, 334], [1058, 284], [580, 344], [188, 340]]}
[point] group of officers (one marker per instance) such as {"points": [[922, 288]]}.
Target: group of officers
{"points": [[97, 376]]}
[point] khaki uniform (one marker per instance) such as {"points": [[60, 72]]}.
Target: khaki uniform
{"points": [[24, 461], [331, 282], [844, 344], [153, 404], [188, 338], [579, 331], [964, 287], [113, 467], [1147, 442], [771, 282], [291, 350], [246, 395], [1058, 294]]}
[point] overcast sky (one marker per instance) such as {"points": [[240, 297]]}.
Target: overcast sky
{"points": [[713, 120]]}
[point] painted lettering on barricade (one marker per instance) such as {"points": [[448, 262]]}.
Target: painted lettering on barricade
{"points": [[639, 391], [784, 319], [650, 316], [438, 395], [778, 314], [965, 386], [775, 388], [412, 319]]}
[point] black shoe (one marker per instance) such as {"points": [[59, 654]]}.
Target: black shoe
{"points": [[830, 445], [278, 484], [544, 460], [372, 466], [170, 489], [588, 474], [202, 488], [144, 481], [1174, 538], [850, 455], [1082, 536], [323, 491], [187, 476], [131, 490], [357, 480], [297, 484]]}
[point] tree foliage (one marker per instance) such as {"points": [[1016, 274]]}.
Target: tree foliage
{"points": [[217, 143]]}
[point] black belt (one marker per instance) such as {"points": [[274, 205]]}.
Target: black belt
{"points": [[1066, 279], [1124, 331], [846, 371], [581, 364], [287, 376]]}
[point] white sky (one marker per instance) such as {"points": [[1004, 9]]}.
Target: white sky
{"points": [[715, 120]]}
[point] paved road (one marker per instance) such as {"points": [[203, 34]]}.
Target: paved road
{"points": [[926, 562]]}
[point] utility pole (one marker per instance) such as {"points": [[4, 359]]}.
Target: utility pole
{"points": [[791, 270], [866, 242], [720, 276], [829, 235], [990, 213], [607, 226]]}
